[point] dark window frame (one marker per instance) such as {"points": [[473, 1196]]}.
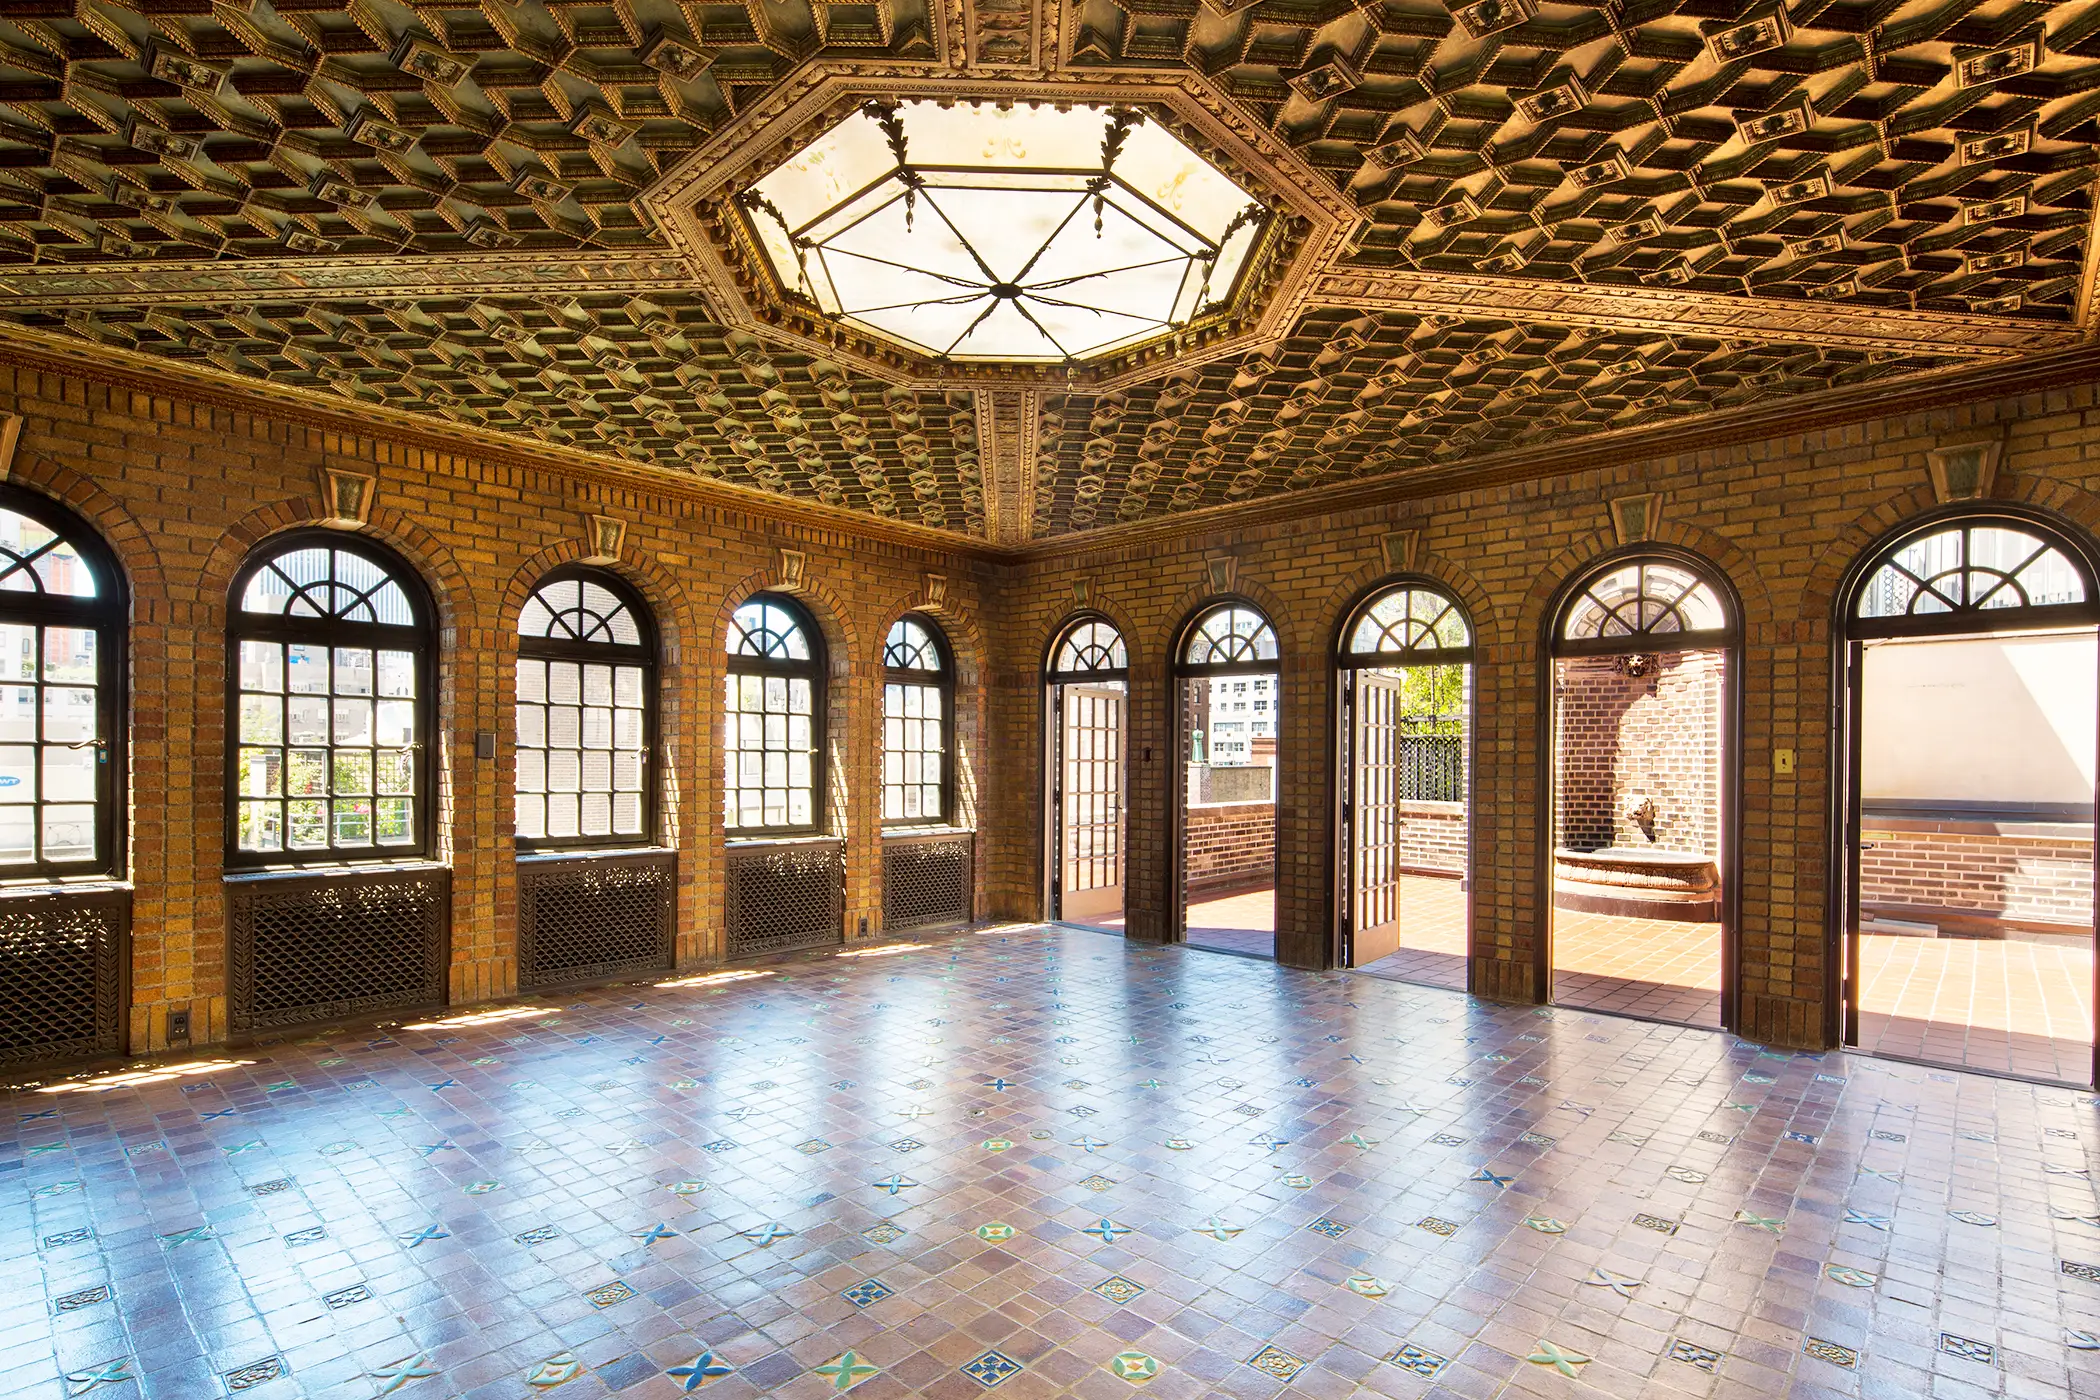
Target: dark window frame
{"points": [[645, 656], [108, 614], [419, 638], [1053, 676], [944, 681], [816, 671], [1970, 620]]}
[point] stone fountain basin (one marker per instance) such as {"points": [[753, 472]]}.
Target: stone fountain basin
{"points": [[1638, 883]]}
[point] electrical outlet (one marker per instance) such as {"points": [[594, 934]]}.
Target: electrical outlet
{"points": [[178, 1026]]}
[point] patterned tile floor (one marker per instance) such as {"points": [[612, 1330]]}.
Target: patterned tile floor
{"points": [[1051, 1163]]}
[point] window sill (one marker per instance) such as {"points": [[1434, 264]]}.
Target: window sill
{"points": [[338, 869], [937, 829], [738, 843], [43, 887], [593, 853]]}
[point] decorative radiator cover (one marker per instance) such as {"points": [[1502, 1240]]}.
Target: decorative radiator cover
{"points": [[926, 881], [778, 897], [585, 917], [62, 973], [321, 947]]}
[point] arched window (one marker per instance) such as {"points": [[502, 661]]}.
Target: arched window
{"points": [[586, 714], [332, 691], [1090, 647], [1231, 634], [1971, 576], [773, 751], [1408, 625], [1651, 604], [918, 704], [61, 673]]}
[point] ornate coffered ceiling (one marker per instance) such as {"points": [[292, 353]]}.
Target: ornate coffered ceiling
{"points": [[1510, 221]]}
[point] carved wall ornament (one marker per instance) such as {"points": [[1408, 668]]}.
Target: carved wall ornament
{"points": [[1964, 471], [1400, 550], [1223, 571], [788, 576], [607, 537], [1082, 592], [934, 592], [1634, 518], [10, 438], [346, 498]]}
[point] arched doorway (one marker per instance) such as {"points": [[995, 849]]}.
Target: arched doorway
{"points": [[1404, 738], [1968, 701], [1228, 690], [1086, 698], [1641, 842]]}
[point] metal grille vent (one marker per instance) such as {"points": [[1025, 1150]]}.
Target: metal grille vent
{"points": [[61, 975], [781, 897], [581, 919], [925, 882], [318, 948]]}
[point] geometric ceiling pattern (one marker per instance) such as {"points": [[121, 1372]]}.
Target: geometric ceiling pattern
{"points": [[1918, 156], [1516, 222], [1348, 396]]}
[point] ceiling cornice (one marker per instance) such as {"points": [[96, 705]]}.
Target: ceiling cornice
{"points": [[118, 368], [1967, 384], [1762, 422]]}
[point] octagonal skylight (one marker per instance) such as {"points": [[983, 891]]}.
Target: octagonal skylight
{"points": [[1023, 233]]}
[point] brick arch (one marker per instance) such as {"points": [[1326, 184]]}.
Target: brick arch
{"points": [[832, 614], [958, 624], [127, 539], [1728, 563], [1115, 614], [2077, 508], [670, 609], [451, 592], [1454, 579], [1182, 611]]}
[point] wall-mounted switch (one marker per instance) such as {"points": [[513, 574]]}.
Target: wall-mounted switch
{"points": [[1783, 762]]}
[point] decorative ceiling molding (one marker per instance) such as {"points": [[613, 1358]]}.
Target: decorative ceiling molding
{"points": [[1648, 443], [59, 286], [1007, 423], [216, 388], [1565, 228], [1672, 311]]}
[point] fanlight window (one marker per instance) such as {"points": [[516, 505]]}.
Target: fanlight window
{"points": [[773, 745], [60, 645], [330, 757], [585, 690], [768, 629], [1643, 599], [1231, 635], [328, 583], [1972, 568], [579, 610], [916, 710], [1091, 647], [1405, 619], [910, 647]]}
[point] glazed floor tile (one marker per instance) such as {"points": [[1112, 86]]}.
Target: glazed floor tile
{"points": [[1051, 1163]]}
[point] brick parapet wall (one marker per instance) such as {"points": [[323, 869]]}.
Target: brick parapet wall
{"points": [[183, 491], [2018, 877], [1781, 518], [1229, 844], [1433, 837]]}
